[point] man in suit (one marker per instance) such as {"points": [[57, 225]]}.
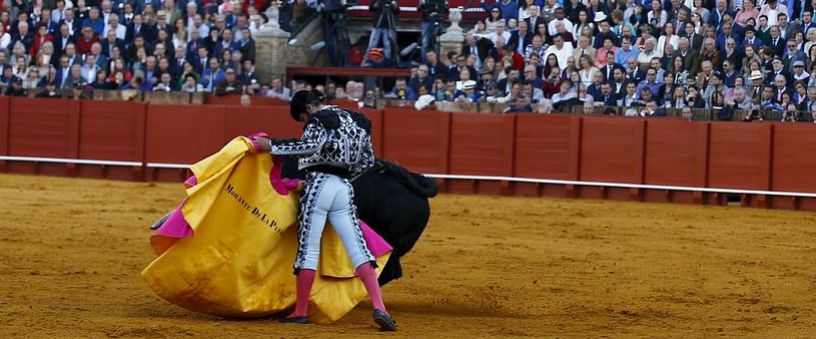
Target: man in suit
{"points": [[584, 48], [777, 43], [594, 89], [177, 63], [691, 59], [695, 40], [246, 45], [619, 83], [792, 55], [607, 71], [478, 47], [110, 42], [651, 83], [200, 59], [73, 24], [71, 53], [778, 68], [633, 71], [138, 26], [716, 15], [61, 40], [521, 38], [63, 71], [786, 29], [89, 69], [101, 59], [608, 97], [781, 88], [534, 19], [751, 39]]}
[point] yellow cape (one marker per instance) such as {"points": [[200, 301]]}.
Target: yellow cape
{"points": [[239, 261]]}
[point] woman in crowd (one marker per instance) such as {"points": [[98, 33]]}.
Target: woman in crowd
{"points": [[180, 34], [163, 37], [548, 10], [668, 37], [710, 52], [619, 23], [638, 16], [211, 40], [800, 96], [748, 11], [657, 17], [693, 97], [18, 52], [676, 98], [101, 82], [32, 78], [542, 31], [799, 37], [601, 55], [577, 83], [750, 55], [523, 5], [566, 73], [646, 34], [583, 21], [552, 61], [19, 68], [50, 76], [118, 66], [669, 84], [588, 33], [479, 28], [588, 69], [700, 10], [5, 37], [140, 62], [812, 81], [187, 69], [493, 19]]}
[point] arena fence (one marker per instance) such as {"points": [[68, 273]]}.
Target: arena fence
{"points": [[670, 160]]}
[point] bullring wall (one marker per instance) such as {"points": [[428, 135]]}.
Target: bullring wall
{"points": [[760, 164]]}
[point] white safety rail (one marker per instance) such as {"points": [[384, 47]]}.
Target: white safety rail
{"points": [[73, 161], [449, 177]]}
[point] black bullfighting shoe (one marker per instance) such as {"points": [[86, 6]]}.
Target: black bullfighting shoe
{"points": [[385, 321], [294, 320]]}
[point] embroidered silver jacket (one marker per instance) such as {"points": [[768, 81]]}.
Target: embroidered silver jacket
{"points": [[332, 137]]}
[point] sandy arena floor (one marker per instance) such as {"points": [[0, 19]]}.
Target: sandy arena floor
{"points": [[71, 251]]}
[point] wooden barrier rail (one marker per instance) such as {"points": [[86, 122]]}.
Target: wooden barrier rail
{"points": [[669, 160]]}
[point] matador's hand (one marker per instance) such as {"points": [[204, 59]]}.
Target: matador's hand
{"points": [[262, 143]]}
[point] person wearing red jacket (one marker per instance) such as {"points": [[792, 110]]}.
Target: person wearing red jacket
{"points": [[260, 5], [84, 43], [39, 39]]}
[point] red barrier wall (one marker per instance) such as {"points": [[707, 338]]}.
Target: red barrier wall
{"points": [[661, 152], [419, 140]]}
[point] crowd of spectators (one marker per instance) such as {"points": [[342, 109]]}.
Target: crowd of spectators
{"points": [[147, 45], [644, 55]]}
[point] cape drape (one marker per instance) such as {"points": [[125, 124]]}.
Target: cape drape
{"points": [[228, 249]]}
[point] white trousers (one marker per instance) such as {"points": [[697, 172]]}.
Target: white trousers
{"points": [[327, 196]]}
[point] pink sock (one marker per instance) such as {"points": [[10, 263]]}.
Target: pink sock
{"points": [[369, 277], [305, 279]]}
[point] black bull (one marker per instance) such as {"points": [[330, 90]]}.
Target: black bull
{"points": [[393, 201]]}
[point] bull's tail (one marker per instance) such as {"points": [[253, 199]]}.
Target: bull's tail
{"points": [[420, 184]]}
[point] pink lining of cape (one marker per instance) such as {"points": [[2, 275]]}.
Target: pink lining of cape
{"points": [[176, 226]]}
